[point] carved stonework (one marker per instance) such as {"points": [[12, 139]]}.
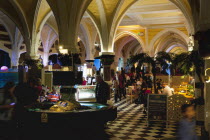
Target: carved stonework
{"points": [[107, 59]]}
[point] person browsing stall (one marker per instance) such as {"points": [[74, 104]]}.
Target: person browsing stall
{"points": [[102, 90], [8, 101], [7, 125]]}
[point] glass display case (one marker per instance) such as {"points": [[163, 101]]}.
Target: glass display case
{"points": [[86, 93]]}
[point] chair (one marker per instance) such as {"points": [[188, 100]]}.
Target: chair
{"points": [[130, 94]]}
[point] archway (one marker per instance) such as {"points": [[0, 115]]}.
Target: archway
{"points": [[129, 33], [126, 44], [167, 38]]}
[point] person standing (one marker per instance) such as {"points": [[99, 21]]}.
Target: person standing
{"points": [[115, 86], [186, 129], [26, 95], [122, 81], [84, 82], [128, 80], [102, 90], [167, 91], [7, 125]]}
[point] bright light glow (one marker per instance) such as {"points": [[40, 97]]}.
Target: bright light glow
{"points": [[208, 81], [78, 39], [85, 71], [117, 68], [131, 27], [64, 51], [65, 69], [50, 68], [207, 78], [4, 68], [60, 47], [135, 65], [190, 49], [89, 71]]}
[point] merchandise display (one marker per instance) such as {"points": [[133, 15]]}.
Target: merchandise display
{"points": [[186, 90]]}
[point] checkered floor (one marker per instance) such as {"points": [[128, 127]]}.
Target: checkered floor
{"points": [[131, 124]]}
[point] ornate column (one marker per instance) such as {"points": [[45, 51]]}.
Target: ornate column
{"points": [[68, 14], [15, 59], [45, 58], [15, 56], [34, 50], [207, 98], [193, 45], [202, 42], [106, 61]]}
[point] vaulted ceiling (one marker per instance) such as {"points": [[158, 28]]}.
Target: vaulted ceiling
{"points": [[29, 15], [152, 13]]}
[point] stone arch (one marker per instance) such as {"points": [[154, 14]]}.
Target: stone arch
{"points": [[132, 48], [45, 20], [140, 40], [172, 46], [182, 7], [161, 33], [166, 42], [170, 43], [187, 14], [94, 21], [5, 49], [21, 21], [130, 39], [8, 29]]}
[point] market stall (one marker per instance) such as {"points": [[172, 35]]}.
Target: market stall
{"points": [[186, 90], [70, 116]]}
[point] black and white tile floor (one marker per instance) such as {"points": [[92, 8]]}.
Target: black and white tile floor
{"points": [[131, 124]]}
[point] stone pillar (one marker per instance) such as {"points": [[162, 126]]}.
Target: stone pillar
{"points": [[197, 90], [45, 58], [207, 97], [34, 56], [68, 20], [15, 59], [106, 61]]}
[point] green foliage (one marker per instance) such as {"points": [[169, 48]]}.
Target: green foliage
{"points": [[186, 62], [145, 58], [33, 63], [190, 61], [190, 90], [66, 59]]}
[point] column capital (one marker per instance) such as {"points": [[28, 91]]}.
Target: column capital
{"points": [[89, 60], [106, 53], [35, 57], [107, 59]]}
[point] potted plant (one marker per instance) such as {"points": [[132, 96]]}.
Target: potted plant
{"points": [[145, 58], [34, 67]]}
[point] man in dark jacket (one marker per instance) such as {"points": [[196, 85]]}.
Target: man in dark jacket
{"points": [[102, 90]]}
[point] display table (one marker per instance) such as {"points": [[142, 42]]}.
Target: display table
{"points": [[97, 115], [72, 123]]}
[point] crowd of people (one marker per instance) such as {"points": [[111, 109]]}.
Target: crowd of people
{"points": [[16, 99], [140, 82]]}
